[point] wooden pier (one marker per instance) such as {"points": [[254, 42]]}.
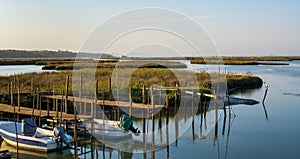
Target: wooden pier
{"points": [[104, 102], [5, 108]]}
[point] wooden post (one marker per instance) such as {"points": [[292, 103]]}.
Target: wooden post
{"points": [[48, 108], [103, 104], [75, 129], [18, 100], [143, 95], [8, 89], [31, 87], [167, 102], [176, 100], [11, 94], [61, 106], [39, 106], [85, 106], [67, 91], [130, 102], [80, 86], [53, 93], [92, 109], [56, 107], [33, 104], [153, 123], [16, 130], [115, 113], [109, 90], [37, 98], [80, 94], [266, 91], [160, 97], [216, 118], [96, 98]]}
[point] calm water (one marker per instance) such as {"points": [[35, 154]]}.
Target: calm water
{"points": [[18, 69], [248, 133]]}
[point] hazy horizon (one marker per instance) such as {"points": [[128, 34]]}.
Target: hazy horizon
{"points": [[238, 28]]}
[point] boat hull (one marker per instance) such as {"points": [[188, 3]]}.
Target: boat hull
{"points": [[44, 144]]}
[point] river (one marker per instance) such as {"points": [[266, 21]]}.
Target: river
{"points": [[250, 131]]}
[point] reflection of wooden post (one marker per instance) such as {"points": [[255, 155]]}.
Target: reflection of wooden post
{"points": [[67, 91], [144, 121], [153, 123], [216, 117], [176, 130], [193, 126], [167, 133], [225, 116]]}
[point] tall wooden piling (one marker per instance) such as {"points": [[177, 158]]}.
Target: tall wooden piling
{"points": [[11, 94], [18, 100], [75, 129], [96, 99], [61, 106], [143, 95], [167, 133], [80, 94], [66, 94], [109, 89], [33, 104], [130, 101], [266, 91]]}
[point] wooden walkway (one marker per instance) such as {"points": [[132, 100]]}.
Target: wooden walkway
{"points": [[5, 108], [105, 102]]}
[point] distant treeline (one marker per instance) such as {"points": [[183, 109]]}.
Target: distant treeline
{"points": [[238, 60], [48, 54]]}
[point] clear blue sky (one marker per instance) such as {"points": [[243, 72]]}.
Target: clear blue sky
{"points": [[239, 27]]}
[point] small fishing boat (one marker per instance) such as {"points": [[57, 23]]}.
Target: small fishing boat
{"points": [[31, 137], [107, 130]]}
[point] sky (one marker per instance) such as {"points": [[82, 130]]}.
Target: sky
{"points": [[236, 27]]}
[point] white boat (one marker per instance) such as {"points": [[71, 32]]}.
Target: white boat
{"points": [[33, 138], [107, 130]]}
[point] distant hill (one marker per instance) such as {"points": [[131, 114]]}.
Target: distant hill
{"points": [[48, 54]]}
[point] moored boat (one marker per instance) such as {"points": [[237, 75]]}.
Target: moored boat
{"points": [[30, 137]]}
